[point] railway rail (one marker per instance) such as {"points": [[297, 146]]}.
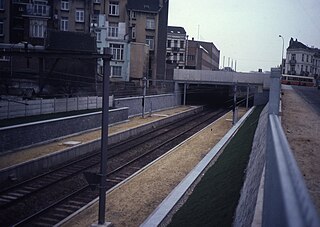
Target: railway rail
{"points": [[63, 191]]}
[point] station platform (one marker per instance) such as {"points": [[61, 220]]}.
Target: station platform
{"points": [[28, 161]]}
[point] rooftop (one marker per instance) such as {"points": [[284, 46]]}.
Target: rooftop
{"points": [[176, 30], [143, 5]]}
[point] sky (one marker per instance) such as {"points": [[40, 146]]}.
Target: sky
{"points": [[248, 31]]}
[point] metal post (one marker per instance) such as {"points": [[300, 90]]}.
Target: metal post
{"points": [[54, 104], [282, 53], [184, 94], [247, 101], [41, 106], [144, 96], [234, 119], [274, 94], [104, 138]]}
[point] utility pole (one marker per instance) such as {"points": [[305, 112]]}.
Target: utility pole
{"points": [[234, 119], [144, 96], [104, 138]]}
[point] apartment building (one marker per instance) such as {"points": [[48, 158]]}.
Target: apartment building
{"points": [[302, 60], [147, 28], [176, 46], [202, 55]]}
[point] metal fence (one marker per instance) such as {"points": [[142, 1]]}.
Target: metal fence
{"points": [[10, 108]]}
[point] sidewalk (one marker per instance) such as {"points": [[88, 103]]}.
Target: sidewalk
{"points": [[302, 127]]}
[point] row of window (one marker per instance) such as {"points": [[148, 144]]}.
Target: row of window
{"points": [[175, 56], [304, 57], [113, 7], [302, 68], [175, 43]]}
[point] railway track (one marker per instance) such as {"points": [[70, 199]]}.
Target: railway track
{"points": [[122, 163]]}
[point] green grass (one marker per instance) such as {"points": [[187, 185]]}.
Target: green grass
{"points": [[28, 119], [214, 200]]}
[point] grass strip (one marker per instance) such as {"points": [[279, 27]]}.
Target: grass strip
{"points": [[214, 199]]}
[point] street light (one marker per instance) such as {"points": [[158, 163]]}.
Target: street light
{"points": [[282, 53]]}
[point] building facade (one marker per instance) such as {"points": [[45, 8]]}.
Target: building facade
{"points": [[302, 60], [176, 46], [202, 55], [147, 24]]}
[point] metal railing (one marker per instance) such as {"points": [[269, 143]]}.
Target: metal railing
{"points": [[286, 199]]}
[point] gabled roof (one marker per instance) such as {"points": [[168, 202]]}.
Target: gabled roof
{"points": [[143, 5], [176, 30], [296, 45]]}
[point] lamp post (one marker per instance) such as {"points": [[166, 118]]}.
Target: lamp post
{"points": [[282, 53]]}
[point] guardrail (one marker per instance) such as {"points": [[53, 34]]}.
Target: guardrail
{"points": [[286, 199]]}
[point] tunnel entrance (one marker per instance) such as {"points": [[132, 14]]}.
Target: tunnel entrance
{"points": [[214, 95]]}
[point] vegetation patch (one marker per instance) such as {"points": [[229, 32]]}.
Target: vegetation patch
{"points": [[214, 199]]}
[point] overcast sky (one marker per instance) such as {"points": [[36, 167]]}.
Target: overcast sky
{"points": [[248, 30]]}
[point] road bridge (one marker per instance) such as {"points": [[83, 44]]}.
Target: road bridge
{"points": [[222, 77], [218, 85]]}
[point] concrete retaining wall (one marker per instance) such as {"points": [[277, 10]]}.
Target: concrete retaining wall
{"points": [[33, 133], [19, 136], [42, 164], [249, 193], [153, 103]]}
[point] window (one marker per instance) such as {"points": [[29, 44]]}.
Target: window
{"points": [[133, 15], [117, 51], [133, 32], [64, 4], [1, 4], [169, 43], [293, 56], [181, 57], [4, 58], [40, 8], [150, 42], [307, 58], [191, 57], [98, 36], [113, 30], [175, 56], [116, 71], [182, 44], [37, 28], [1, 28], [64, 24], [302, 67], [175, 43], [307, 66], [150, 23], [114, 8], [79, 15], [302, 57]]}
